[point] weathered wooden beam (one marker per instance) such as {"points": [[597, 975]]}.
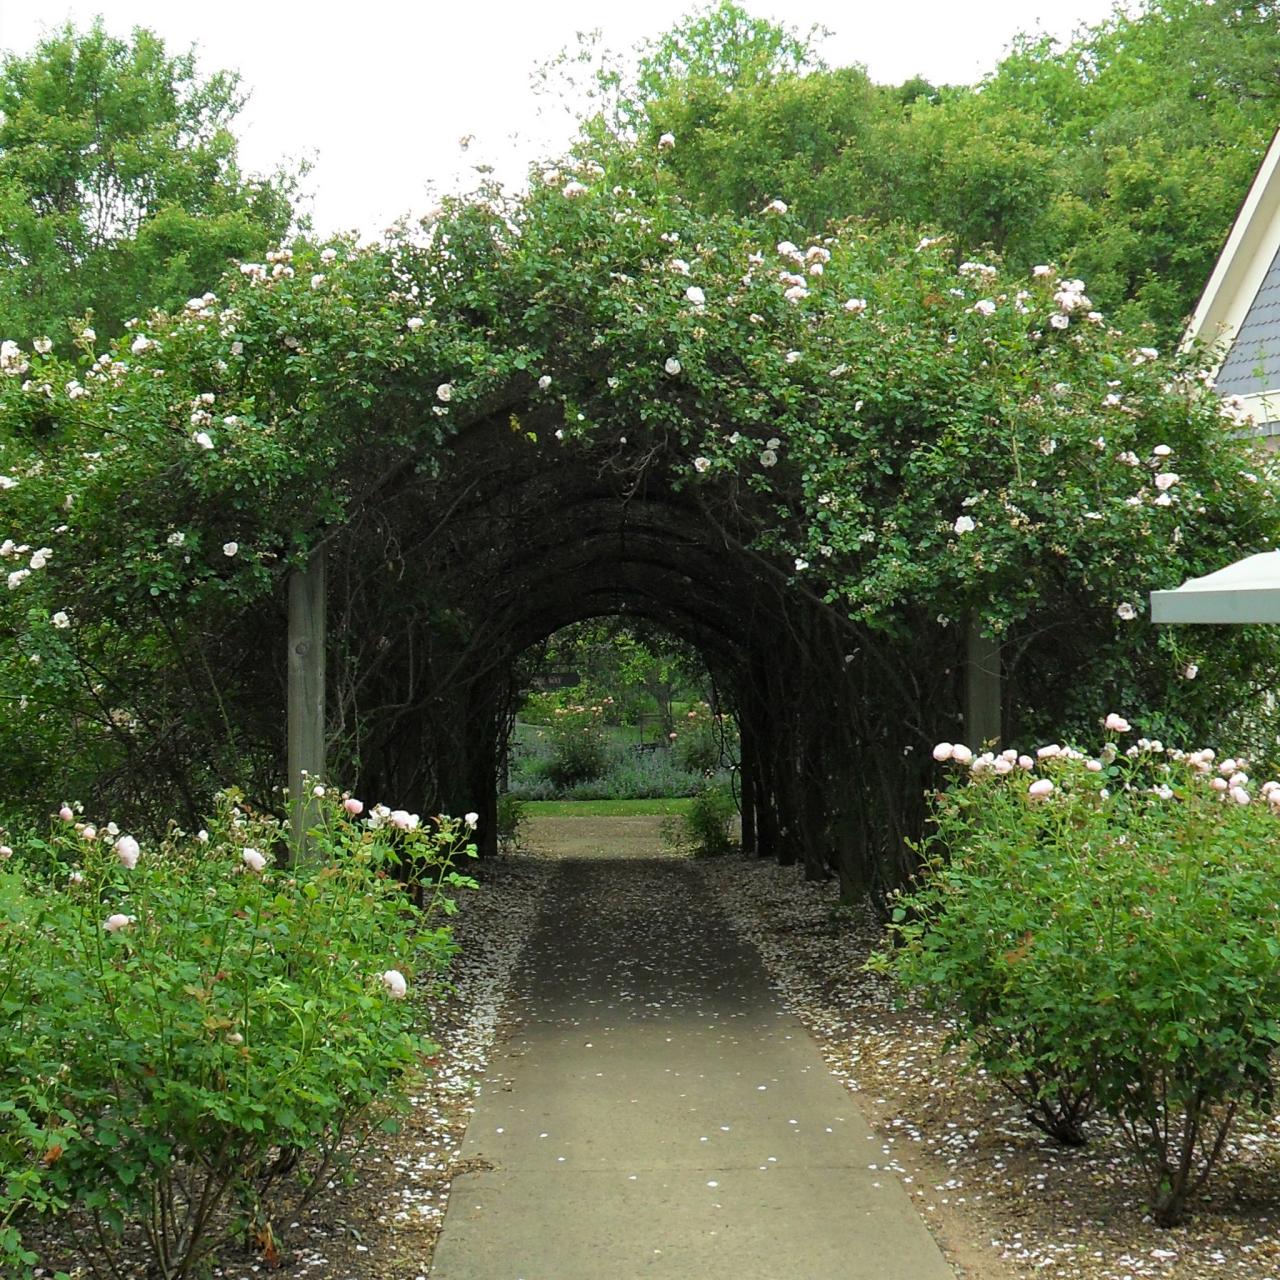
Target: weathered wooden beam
{"points": [[306, 675], [981, 687]]}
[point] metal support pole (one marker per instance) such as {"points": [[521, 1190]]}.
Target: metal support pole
{"points": [[981, 687], [306, 694]]}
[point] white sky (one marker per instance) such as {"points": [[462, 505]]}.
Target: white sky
{"points": [[379, 93]]}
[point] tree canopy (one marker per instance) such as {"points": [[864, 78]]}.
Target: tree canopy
{"points": [[120, 185], [1122, 154]]}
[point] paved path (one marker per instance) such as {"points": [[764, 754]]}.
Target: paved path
{"points": [[654, 1112]]}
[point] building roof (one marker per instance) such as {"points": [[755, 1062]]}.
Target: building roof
{"points": [[1239, 311]]}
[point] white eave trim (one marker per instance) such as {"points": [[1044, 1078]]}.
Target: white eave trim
{"points": [[1243, 263]]}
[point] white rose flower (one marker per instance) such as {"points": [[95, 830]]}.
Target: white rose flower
{"points": [[61, 620], [964, 524], [444, 392], [230, 548], [672, 366], [666, 142], [394, 981]]}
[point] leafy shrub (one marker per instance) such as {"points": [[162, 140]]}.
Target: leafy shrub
{"points": [[194, 1036], [705, 829], [639, 777], [1108, 931], [627, 775], [511, 817]]}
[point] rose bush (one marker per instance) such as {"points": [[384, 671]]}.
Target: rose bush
{"points": [[1106, 931], [197, 1034]]}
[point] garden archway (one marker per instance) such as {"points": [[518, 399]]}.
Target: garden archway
{"points": [[840, 468], [509, 543]]}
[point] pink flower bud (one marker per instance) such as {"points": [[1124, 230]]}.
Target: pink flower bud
{"points": [[394, 981], [961, 754], [1116, 724], [66, 813], [942, 751], [353, 806], [253, 860], [1218, 784], [1040, 788], [1239, 795], [1026, 762], [114, 923]]}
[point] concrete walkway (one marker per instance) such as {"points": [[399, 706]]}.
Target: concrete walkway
{"points": [[654, 1112]]}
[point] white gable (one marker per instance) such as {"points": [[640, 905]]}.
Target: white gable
{"points": [[1239, 310]]}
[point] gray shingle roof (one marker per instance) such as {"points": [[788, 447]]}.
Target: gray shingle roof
{"points": [[1256, 349]]}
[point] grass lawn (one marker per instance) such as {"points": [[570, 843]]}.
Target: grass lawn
{"points": [[605, 808]]}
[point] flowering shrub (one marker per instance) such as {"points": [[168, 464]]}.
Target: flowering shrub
{"points": [[1107, 931], [579, 745], [703, 739], [195, 1034]]}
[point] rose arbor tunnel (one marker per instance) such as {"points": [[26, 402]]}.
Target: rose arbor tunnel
{"points": [[423, 602]]}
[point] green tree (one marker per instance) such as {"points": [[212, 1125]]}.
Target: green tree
{"points": [[120, 186], [1121, 155]]}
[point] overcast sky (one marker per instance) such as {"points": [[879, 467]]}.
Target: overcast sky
{"points": [[379, 93]]}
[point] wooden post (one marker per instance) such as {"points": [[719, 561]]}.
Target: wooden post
{"points": [[306, 693], [981, 687]]}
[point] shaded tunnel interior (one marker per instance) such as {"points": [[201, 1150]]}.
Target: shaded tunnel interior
{"points": [[438, 586]]}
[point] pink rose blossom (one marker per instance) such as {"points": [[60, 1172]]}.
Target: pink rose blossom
{"points": [[127, 851]]}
